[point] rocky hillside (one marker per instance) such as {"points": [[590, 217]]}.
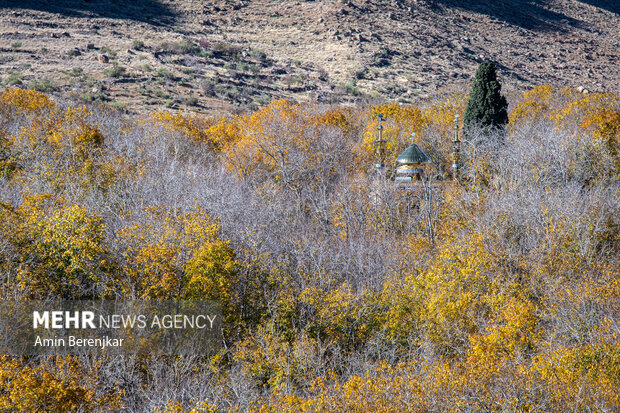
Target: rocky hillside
{"points": [[218, 56]]}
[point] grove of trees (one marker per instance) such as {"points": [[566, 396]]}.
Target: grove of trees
{"points": [[336, 296]]}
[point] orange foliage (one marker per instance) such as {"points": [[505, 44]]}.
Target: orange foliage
{"points": [[400, 122], [59, 384], [24, 100], [216, 133], [487, 316], [158, 251]]}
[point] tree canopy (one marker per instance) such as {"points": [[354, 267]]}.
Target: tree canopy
{"points": [[486, 106]]}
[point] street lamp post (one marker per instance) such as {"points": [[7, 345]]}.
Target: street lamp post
{"points": [[380, 147], [456, 150]]}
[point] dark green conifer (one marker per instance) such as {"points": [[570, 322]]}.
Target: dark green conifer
{"points": [[486, 106]]}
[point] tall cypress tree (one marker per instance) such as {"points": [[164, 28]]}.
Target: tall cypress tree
{"points": [[486, 106]]}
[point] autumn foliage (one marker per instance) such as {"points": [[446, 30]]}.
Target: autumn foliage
{"points": [[340, 294]]}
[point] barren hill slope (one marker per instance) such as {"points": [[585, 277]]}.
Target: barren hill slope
{"points": [[220, 55]]}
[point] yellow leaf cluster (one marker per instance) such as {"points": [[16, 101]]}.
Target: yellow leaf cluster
{"points": [[60, 384], [24, 101], [62, 248]]}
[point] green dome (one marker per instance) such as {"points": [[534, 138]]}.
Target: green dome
{"points": [[413, 154]]}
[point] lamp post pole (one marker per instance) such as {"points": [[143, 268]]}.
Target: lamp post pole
{"points": [[456, 150], [380, 148]]}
